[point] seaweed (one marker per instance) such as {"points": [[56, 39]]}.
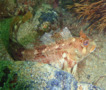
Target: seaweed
{"points": [[3, 8], [6, 8], [94, 13], [17, 21], [14, 26], [8, 78], [27, 16]]}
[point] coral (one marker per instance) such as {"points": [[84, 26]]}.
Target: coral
{"points": [[94, 13]]}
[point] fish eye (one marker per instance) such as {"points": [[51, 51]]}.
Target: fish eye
{"points": [[86, 42]]}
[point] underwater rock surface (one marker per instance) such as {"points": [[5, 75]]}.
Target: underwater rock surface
{"points": [[4, 55], [29, 75], [37, 76]]}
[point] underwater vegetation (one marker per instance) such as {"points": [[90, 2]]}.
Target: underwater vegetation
{"points": [[4, 31], [3, 8], [27, 16], [83, 1], [7, 77], [6, 8], [94, 13], [17, 21], [54, 47]]}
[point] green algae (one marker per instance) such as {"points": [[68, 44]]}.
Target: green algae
{"points": [[4, 30], [6, 75]]}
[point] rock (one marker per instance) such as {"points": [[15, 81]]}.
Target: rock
{"points": [[37, 76], [44, 14], [26, 34]]}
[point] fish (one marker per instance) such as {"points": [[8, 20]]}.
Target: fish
{"points": [[64, 53]]}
